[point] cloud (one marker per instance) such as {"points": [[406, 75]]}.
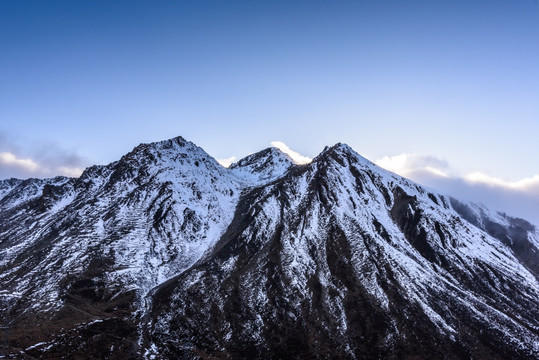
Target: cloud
{"points": [[10, 160], [295, 156], [227, 161], [25, 159], [13, 166], [518, 198], [413, 164], [525, 185]]}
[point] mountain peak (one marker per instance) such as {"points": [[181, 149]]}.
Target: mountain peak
{"points": [[263, 166], [264, 155], [176, 143], [170, 153], [340, 148], [341, 151]]}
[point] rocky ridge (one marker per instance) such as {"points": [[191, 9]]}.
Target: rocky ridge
{"points": [[167, 254]]}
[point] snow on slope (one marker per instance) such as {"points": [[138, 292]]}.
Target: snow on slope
{"points": [[338, 255], [262, 167], [149, 216], [343, 233]]}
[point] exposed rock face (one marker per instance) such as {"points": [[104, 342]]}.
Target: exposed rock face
{"points": [[166, 254]]}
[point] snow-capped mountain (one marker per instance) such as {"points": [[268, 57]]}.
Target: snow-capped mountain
{"points": [[167, 254], [262, 167]]}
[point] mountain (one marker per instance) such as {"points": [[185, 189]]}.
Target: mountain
{"points": [[262, 167], [166, 254]]}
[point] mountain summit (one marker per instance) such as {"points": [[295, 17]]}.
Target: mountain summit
{"points": [[166, 254], [263, 166]]}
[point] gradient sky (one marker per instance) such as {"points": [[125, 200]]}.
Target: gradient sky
{"points": [[83, 82]]}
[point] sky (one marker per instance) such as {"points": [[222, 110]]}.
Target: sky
{"points": [[444, 92]]}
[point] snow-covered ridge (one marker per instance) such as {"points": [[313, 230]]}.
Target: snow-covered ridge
{"points": [[156, 211], [262, 167], [337, 254], [14, 192], [352, 230]]}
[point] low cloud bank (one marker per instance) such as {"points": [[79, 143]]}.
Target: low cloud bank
{"points": [[30, 159], [518, 198]]}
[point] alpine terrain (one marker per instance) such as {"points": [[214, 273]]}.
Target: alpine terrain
{"points": [[166, 254]]}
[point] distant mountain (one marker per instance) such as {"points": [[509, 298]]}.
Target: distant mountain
{"points": [[165, 254]]}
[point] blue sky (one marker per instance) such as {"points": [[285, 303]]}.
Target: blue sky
{"points": [[83, 82]]}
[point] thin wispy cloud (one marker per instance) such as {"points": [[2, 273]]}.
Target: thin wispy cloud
{"points": [[13, 166], [517, 198], [25, 159], [294, 155]]}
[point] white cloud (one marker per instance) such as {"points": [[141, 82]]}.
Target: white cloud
{"points": [[517, 198], [419, 167], [13, 166], [11, 160], [227, 161], [409, 164], [295, 156], [24, 158], [526, 184]]}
